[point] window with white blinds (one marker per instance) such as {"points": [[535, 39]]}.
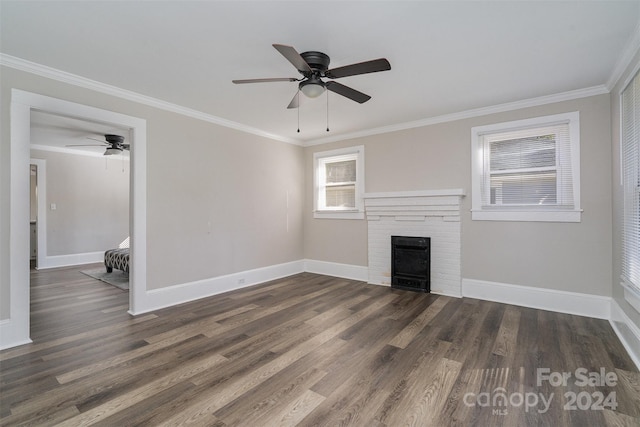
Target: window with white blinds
{"points": [[630, 153], [339, 179], [527, 170], [339, 183]]}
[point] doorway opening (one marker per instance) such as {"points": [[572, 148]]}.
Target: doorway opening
{"points": [[15, 330]]}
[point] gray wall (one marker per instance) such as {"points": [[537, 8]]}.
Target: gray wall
{"points": [[618, 292], [572, 257], [216, 197], [91, 195], [218, 201]]}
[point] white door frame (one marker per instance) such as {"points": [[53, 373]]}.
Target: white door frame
{"points": [[15, 330]]}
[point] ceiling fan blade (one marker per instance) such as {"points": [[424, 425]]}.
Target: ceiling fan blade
{"points": [[361, 68], [277, 79], [99, 140], [346, 91], [295, 102], [294, 57], [126, 146], [84, 145]]}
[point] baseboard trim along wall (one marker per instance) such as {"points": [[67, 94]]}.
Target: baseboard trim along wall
{"points": [[12, 336], [156, 299], [346, 271], [71, 259], [544, 299], [600, 307], [627, 331]]}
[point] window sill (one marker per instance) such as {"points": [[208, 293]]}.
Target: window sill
{"points": [[532, 216], [338, 214]]}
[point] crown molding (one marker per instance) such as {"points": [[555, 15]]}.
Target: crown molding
{"points": [[628, 53], [477, 112], [65, 77], [75, 80]]}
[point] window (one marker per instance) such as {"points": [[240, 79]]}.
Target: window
{"points": [[630, 153], [339, 183], [527, 170]]}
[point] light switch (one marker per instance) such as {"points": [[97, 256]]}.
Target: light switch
{"points": [[53, 206]]}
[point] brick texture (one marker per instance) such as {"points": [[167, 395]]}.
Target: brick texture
{"points": [[437, 217]]}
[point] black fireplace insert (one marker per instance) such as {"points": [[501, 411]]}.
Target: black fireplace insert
{"points": [[411, 263]]}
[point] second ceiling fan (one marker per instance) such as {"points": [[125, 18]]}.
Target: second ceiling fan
{"points": [[114, 144], [314, 66]]}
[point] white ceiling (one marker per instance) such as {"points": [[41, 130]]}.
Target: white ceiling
{"points": [[446, 56]]}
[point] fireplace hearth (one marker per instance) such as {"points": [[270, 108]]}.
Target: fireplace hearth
{"points": [[411, 263]]}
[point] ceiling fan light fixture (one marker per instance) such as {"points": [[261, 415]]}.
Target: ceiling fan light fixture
{"points": [[312, 88], [314, 66], [111, 151]]}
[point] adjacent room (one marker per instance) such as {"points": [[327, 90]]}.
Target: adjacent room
{"points": [[368, 213]]}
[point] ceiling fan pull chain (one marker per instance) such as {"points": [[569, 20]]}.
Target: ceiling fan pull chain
{"points": [[298, 101], [327, 110]]}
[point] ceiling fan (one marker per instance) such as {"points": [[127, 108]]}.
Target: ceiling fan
{"points": [[113, 143], [314, 66]]}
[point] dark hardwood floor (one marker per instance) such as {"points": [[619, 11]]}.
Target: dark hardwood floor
{"points": [[310, 350]]}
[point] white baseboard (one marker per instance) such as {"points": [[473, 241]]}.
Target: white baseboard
{"points": [[346, 271], [12, 336], [627, 331], [446, 294], [544, 299], [173, 295], [71, 259]]}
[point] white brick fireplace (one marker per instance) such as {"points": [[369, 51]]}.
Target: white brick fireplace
{"points": [[434, 214]]}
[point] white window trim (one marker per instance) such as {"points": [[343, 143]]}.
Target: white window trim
{"points": [[510, 213], [358, 212], [631, 291]]}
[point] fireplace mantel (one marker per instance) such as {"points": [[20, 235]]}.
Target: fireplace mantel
{"points": [[414, 205], [427, 213]]}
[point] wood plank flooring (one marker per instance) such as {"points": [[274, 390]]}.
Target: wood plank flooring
{"points": [[309, 350]]}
